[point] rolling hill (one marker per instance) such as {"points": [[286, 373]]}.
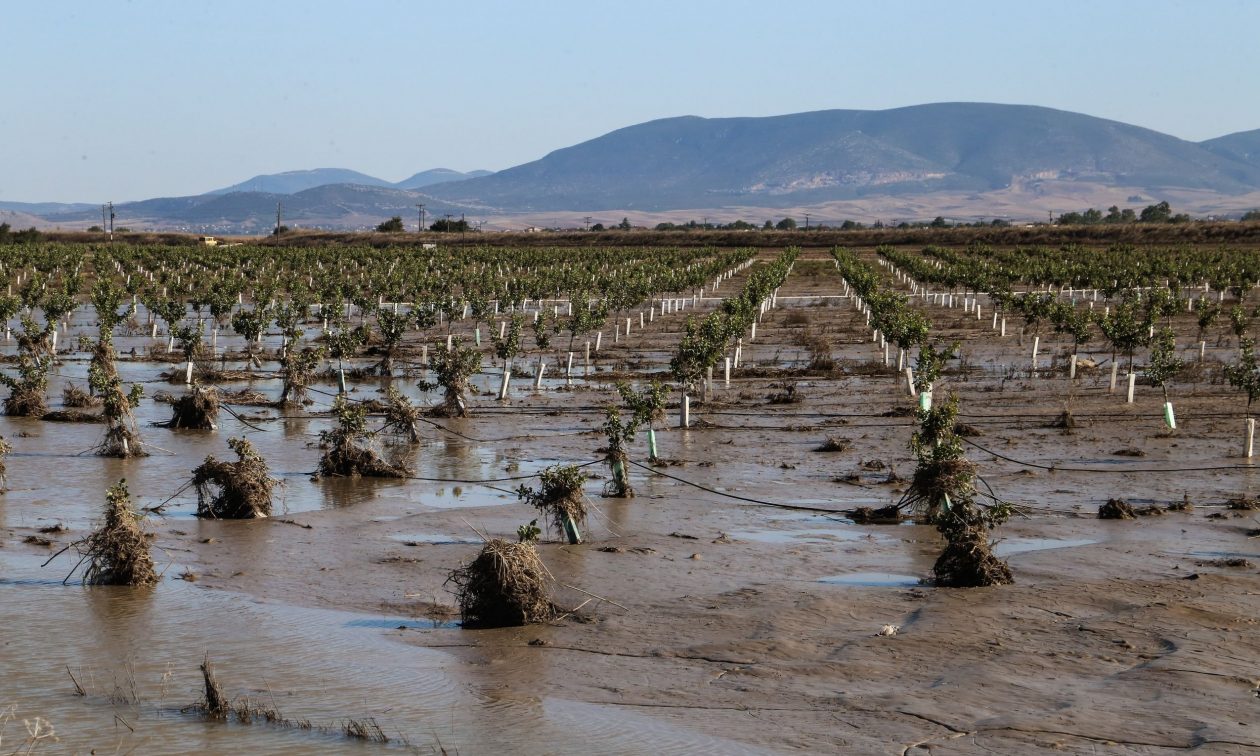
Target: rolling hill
{"points": [[958, 159], [843, 154]]}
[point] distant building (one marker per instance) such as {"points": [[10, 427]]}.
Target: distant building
{"points": [[209, 241], [533, 230]]}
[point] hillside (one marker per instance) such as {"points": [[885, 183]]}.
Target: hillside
{"points": [[845, 154], [1243, 146], [957, 160]]}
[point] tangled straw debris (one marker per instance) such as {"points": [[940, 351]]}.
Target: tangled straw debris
{"points": [[504, 586], [968, 562], [1116, 509], [234, 490], [196, 410], [118, 553]]}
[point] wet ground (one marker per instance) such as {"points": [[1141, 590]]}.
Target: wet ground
{"points": [[727, 616]]}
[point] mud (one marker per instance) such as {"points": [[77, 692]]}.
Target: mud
{"points": [[757, 632]]}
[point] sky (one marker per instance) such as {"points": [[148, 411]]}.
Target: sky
{"points": [[132, 99]]}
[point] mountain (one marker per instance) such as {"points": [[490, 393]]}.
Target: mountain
{"points": [[951, 159], [291, 182], [1243, 146], [43, 208], [823, 156], [437, 176], [329, 206]]}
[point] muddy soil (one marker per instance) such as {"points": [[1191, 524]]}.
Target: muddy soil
{"points": [[730, 607]]}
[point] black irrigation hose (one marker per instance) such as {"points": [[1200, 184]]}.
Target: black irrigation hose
{"points": [[1125, 471], [762, 502], [491, 480]]}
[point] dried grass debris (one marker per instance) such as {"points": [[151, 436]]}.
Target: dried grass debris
{"points": [[237, 490], [504, 586]]}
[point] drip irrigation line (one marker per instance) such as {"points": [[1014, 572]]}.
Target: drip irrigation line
{"points": [[243, 421], [1125, 471], [762, 502], [487, 481]]}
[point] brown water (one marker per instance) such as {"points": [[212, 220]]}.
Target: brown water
{"points": [[137, 651]]}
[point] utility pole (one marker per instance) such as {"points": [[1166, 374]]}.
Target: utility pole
{"points": [[421, 228], [279, 207], [587, 221], [111, 220], [806, 221]]}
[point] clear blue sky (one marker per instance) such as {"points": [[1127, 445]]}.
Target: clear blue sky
{"points": [[130, 99]]}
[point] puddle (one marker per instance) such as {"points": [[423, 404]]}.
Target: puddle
{"points": [[872, 579], [811, 535], [1220, 555], [1009, 546], [408, 624], [433, 538]]}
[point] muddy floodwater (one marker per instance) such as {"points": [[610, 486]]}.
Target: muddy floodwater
{"points": [[729, 607]]}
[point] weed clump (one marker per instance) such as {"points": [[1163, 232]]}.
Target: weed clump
{"points": [[118, 553], [1116, 509], [196, 410], [73, 396], [834, 444], [237, 490], [504, 586]]}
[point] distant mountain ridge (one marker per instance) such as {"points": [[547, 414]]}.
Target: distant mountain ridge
{"points": [[950, 158], [1244, 146], [842, 154], [292, 182]]}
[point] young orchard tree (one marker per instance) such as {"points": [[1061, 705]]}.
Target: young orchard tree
{"points": [[342, 345], [297, 367], [1079, 324], [645, 407], [943, 493], [702, 345], [348, 447], [188, 337], [122, 437], [220, 300], [479, 309], [35, 356], [453, 368], [9, 306], [587, 316], [1034, 309], [424, 316], [1124, 329], [1244, 373], [251, 324], [1164, 364], [171, 311], [452, 309], [392, 327], [929, 367], [1239, 321], [906, 328], [1207, 312], [544, 327], [288, 318]]}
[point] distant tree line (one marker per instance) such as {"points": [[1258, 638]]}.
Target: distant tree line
{"points": [[9, 236], [1160, 212]]}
